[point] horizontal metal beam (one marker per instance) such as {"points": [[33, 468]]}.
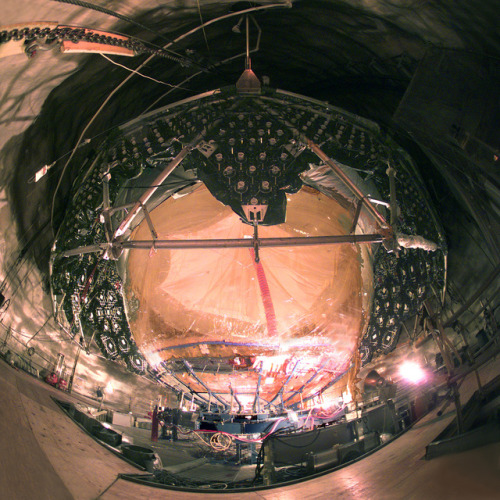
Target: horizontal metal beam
{"points": [[229, 243], [249, 243]]}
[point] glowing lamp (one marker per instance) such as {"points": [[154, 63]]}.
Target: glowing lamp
{"points": [[412, 372]]}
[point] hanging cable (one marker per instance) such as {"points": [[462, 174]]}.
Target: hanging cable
{"points": [[146, 76], [119, 86], [201, 21], [103, 10], [220, 63]]}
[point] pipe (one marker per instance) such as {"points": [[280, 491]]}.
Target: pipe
{"points": [[345, 178], [249, 243], [229, 243], [233, 395], [193, 374], [256, 402], [280, 392], [315, 374], [393, 204], [127, 221]]}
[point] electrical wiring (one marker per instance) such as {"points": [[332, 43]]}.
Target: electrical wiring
{"points": [[189, 78], [120, 85], [218, 443], [286, 3], [201, 21], [145, 76], [302, 445], [98, 8], [87, 5], [220, 63]]}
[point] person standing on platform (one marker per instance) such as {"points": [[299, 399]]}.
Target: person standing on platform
{"points": [[154, 426], [175, 422], [166, 429]]}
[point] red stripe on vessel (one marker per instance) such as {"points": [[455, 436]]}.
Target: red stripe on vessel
{"points": [[266, 297]]}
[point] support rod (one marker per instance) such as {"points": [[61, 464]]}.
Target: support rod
{"points": [[339, 172], [127, 221], [256, 401], [248, 64], [180, 382], [263, 242], [315, 374], [229, 243], [359, 206], [346, 180], [392, 185], [193, 374], [282, 389], [73, 371], [440, 338], [327, 386]]}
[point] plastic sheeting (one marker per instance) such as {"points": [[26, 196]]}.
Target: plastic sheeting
{"points": [[305, 304]]}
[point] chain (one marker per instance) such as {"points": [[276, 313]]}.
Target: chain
{"points": [[76, 35]]}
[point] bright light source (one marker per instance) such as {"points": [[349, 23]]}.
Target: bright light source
{"points": [[154, 359], [293, 417], [412, 372], [346, 396], [109, 388]]}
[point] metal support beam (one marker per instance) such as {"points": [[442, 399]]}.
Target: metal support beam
{"points": [[229, 243], [392, 186], [338, 171], [315, 374], [442, 342], [105, 216], [359, 206], [249, 243], [73, 371], [256, 241], [152, 229], [128, 220], [327, 386], [280, 392], [121, 207], [268, 470], [233, 395], [256, 401], [193, 393], [193, 374], [346, 180]]}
